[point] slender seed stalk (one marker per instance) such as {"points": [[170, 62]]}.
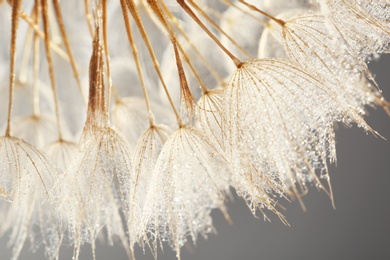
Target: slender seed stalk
{"points": [[186, 92], [46, 26], [191, 13], [36, 108], [193, 46], [64, 35], [26, 52], [96, 100], [273, 18], [16, 4], [137, 61], [216, 26], [234, 5], [88, 17], [174, 21], [134, 12], [188, 61], [106, 51], [41, 34]]}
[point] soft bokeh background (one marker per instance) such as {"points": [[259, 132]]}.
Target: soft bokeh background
{"points": [[359, 227]]}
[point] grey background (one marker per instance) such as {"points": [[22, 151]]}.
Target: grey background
{"points": [[359, 228]]}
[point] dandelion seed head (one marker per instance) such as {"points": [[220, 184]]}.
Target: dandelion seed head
{"points": [[185, 187], [290, 142], [307, 43], [26, 181], [361, 31]]}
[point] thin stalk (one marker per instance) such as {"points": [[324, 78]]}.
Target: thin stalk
{"points": [[26, 52], [273, 18], [106, 51], [46, 26], [215, 74], [88, 16], [16, 4], [192, 45], [194, 72], [229, 3], [191, 13], [134, 12], [36, 109], [137, 61], [60, 21], [55, 35], [186, 93], [41, 34], [216, 26], [97, 114]]}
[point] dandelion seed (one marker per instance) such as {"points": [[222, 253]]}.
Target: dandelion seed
{"points": [[33, 128], [271, 41], [26, 180], [274, 129], [146, 155], [62, 152], [189, 180], [308, 44], [209, 115], [358, 30], [98, 180]]}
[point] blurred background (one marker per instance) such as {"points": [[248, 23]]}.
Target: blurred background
{"points": [[359, 227]]}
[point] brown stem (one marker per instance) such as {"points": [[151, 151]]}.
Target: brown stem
{"points": [[193, 46], [46, 26], [234, 5], [134, 12], [16, 4], [193, 70], [60, 21], [137, 61], [185, 91], [88, 17], [41, 34], [26, 52], [188, 61], [36, 109], [106, 51], [189, 11], [97, 114], [273, 18], [216, 26]]}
